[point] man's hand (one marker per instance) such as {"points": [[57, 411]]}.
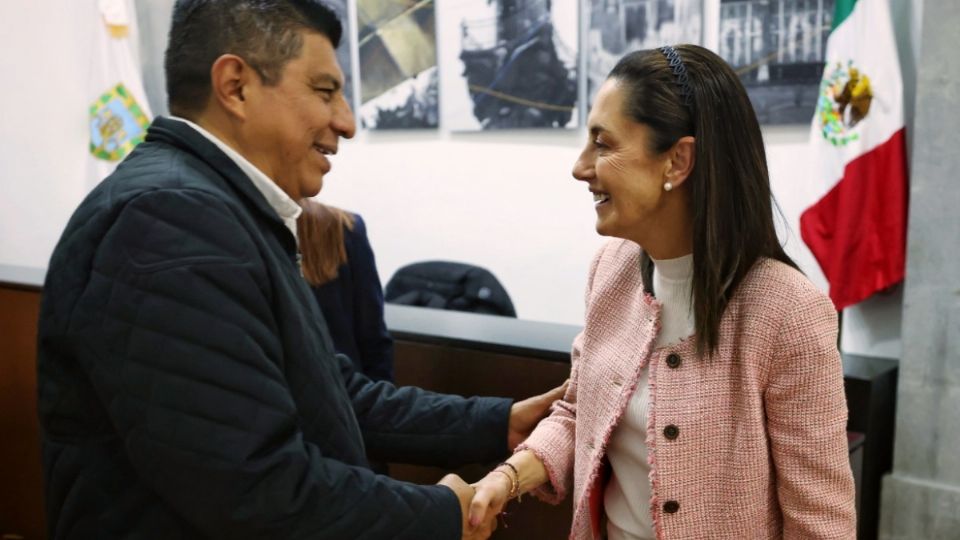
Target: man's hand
{"points": [[526, 414], [465, 493]]}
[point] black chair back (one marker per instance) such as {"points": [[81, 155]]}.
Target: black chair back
{"points": [[449, 285]]}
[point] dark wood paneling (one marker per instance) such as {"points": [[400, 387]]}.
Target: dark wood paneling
{"points": [[476, 373], [21, 482], [870, 388]]}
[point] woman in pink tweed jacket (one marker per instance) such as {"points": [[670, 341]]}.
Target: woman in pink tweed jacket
{"points": [[746, 418]]}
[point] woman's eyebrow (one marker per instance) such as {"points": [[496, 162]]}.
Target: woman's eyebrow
{"points": [[597, 129]]}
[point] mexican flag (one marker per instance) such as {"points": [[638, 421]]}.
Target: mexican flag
{"points": [[857, 224], [118, 113]]}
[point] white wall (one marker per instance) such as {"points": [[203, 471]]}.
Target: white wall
{"points": [[503, 200], [45, 58]]}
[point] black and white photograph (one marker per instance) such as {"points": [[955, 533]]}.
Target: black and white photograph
{"points": [[398, 64], [344, 57], [509, 64], [777, 48], [620, 26]]}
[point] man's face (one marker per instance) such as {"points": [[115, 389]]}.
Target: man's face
{"points": [[293, 127]]}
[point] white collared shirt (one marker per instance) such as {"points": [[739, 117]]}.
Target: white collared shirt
{"points": [[286, 208]]}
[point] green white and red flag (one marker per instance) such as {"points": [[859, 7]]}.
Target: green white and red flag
{"points": [[857, 222]]}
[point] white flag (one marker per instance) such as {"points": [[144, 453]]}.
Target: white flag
{"points": [[118, 113]]}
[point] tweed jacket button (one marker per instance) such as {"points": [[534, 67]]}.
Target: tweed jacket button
{"points": [[673, 361], [671, 507], [671, 432]]}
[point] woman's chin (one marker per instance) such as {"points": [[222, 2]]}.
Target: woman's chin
{"points": [[604, 229]]}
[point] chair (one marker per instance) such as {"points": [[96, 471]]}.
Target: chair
{"points": [[449, 285]]}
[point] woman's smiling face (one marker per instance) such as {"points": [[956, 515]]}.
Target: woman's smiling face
{"points": [[622, 171]]}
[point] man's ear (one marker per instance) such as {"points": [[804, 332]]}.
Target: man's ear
{"points": [[230, 78], [681, 158]]}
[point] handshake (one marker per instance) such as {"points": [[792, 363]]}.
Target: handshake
{"points": [[482, 502]]}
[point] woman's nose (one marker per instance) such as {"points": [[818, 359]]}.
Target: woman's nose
{"points": [[583, 168]]}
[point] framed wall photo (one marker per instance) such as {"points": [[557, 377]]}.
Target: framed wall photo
{"points": [[617, 27], [509, 64], [777, 48], [344, 58], [398, 64]]}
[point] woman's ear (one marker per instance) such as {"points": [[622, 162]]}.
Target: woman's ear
{"points": [[680, 161]]}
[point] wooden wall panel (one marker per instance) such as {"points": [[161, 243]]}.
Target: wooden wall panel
{"points": [[444, 368], [440, 368], [476, 373], [21, 482]]}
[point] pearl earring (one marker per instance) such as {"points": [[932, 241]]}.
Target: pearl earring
{"points": [[667, 186]]}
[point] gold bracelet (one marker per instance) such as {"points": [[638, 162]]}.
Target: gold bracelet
{"points": [[514, 479], [512, 468], [513, 484]]}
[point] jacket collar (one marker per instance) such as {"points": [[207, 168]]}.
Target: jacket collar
{"points": [[184, 137]]}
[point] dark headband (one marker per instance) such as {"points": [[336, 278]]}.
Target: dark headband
{"points": [[679, 73]]}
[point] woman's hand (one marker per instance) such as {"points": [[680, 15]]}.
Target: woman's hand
{"points": [[492, 494], [521, 473]]}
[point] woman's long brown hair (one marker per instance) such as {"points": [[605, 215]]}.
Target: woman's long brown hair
{"points": [[320, 231], [732, 205]]}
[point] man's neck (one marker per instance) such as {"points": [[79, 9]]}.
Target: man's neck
{"points": [[285, 206], [221, 129]]}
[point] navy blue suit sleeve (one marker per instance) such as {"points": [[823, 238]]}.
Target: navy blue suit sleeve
{"points": [[411, 425], [373, 341], [185, 358]]}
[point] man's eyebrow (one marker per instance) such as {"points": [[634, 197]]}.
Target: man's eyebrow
{"points": [[325, 78]]}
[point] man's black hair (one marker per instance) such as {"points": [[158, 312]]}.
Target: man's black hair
{"points": [[265, 33]]}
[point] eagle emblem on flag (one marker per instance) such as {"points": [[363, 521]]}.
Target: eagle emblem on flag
{"points": [[845, 97]]}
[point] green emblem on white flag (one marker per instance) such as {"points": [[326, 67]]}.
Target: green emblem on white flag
{"points": [[117, 124], [845, 97]]}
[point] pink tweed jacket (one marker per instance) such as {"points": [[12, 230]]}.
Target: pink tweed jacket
{"points": [[748, 444]]}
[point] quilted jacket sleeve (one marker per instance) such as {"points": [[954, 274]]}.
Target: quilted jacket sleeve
{"points": [[411, 425], [806, 420], [181, 348]]}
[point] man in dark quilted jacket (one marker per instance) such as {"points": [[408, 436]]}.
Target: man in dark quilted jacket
{"points": [[188, 386]]}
